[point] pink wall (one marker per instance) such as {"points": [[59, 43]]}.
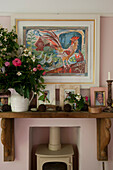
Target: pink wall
{"points": [[106, 49], [87, 144], [5, 21]]}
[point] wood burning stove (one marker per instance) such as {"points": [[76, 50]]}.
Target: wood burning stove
{"points": [[55, 166], [54, 156]]}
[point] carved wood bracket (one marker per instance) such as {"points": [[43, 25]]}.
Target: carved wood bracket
{"points": [[103, 138], [7, 138]]}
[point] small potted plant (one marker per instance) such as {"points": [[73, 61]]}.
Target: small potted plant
{"points": [[76, 100]]}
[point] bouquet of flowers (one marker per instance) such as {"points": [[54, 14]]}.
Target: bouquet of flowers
{"points": [[19, 69], [77, 100]]}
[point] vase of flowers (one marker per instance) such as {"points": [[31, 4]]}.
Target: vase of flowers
{"points": [[18, 102], [19, 69]]}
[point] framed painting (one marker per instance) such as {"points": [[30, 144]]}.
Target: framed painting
{"points": [[66, 89], [68, 49], [99, 96], [49, 94]]}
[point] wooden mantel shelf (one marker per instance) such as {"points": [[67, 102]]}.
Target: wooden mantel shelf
{"points": [[103, 126], [54, 114]]}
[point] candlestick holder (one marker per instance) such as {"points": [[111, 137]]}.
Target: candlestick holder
{"points": [[109, 107]]}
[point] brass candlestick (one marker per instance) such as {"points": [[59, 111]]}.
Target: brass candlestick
{"points": [[109, 107]]}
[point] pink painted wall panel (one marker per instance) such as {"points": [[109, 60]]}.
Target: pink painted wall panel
{"points": [[5, 21], [106, 49]]}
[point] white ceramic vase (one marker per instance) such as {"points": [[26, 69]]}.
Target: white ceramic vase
{"points": [[18, 102]]}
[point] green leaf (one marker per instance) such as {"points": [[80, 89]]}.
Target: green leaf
{"points": [[26, 92], [41, 98]]}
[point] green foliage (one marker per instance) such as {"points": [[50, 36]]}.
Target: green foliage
{"points": [[75, 99], [19, 69], [43, 98]]}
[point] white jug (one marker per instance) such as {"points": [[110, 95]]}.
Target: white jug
{"points": [[18, 102]]}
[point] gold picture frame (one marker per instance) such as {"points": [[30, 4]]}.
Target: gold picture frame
{"points": [[92, 22], [65, 89]]}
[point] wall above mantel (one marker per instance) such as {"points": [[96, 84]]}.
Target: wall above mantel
{"points": [[50, 6]]}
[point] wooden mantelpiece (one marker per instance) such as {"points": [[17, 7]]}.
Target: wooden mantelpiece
{"points": [[103, 126], [50, 114]]}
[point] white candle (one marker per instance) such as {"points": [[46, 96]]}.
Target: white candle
{"points": [[108, 75]]}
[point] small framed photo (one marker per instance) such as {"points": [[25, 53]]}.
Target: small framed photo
{"points": [[66, 89], [99, 96], [4, 99], [49, 93]]}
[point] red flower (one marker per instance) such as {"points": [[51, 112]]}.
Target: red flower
{"points": [[17, 62], [39, 66], [44, 73], [86, 98]]}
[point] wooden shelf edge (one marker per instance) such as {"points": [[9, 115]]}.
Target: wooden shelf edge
{"points": [[49, 114]]}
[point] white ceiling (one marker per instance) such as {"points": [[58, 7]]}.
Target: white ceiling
{"points": [[56, 6]]}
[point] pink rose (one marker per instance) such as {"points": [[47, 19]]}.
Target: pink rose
{"points": [[17, 62], [34, 69], [7, 63], [44, 73]]}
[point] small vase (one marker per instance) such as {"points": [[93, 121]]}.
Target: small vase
{"points": [[18, 102]]}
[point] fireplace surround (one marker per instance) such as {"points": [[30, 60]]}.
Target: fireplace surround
{"points": [[90, 136]]}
